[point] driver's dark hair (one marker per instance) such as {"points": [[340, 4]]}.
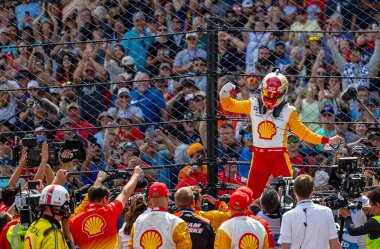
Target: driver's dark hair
{"points": [[97, 193]]}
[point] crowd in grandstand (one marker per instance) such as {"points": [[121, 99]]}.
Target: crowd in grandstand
{"points": [[129, 80]]}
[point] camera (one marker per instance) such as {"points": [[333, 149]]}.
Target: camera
{"points": [[28, 204], [34, 150], [287, 201]]}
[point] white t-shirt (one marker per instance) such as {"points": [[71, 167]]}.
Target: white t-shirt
{"points": [[308, 226]]}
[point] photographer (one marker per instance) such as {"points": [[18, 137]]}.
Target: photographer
{"points": [[371, 227], [301, 225]]}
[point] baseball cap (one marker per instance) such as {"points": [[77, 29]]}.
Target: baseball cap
{"points": [[372, 101], [33, 84], [239, 201], [247, 4], [67, 83], [104, 114], [195, 147], [200, 93], [127, 61], [192, 34], [162, 65], [189, 96], [246, 191], [122, 90], [188, 116], [170, 129], [327, 108], [64, 121], [72, 105], [340, 116], [100, 12], [358, 149], [129, 145], [19, 76], [124, 116], [138, 15], [158, 189], [4, 31]]}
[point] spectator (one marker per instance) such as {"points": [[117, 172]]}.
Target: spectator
{"points": [[342, 128], [68, 96], [73, 114], [355, 68], [124, 109], [293, 144], [66, 65], [177, 27], [26, 12], [150, 100], [184, 60], [91, 98], [230, 49], [308, 107], [137, 48], [313, 215], [303, 24], [227, 144], [201, 232], [327, 129], [103, 120], [113, 62], [177, 106], [235, 230], [245, 155], [127, 131], [189, 133], [191, 175], [199, 78], [9, 98], [105, 213], [100, 16], [162, 51], [230, 176], [159, 220], [65, 131]]}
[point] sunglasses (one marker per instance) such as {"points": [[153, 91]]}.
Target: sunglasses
{"points": [[321, 73], [293, 140], [199, 99], [162, 30], [327, 115], [191, 39], [124, 97], [199, 65]]}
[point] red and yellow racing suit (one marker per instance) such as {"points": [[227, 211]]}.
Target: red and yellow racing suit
{"points": [[270, 156]]}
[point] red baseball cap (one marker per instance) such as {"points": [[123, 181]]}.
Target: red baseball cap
{"points": [[158, 189], [246, 191], [239, 201]]}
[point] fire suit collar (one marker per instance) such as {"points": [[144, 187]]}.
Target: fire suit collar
{"points": [[238, 214], [162, 209], [92, 206], [187, 211]]}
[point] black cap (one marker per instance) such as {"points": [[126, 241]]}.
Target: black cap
{"points": [[372, 101], [170, 129], [129, 145], [341, 116]]}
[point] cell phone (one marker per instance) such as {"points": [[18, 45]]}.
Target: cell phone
{"points": [[374, 27], [27, 13], [33, 184], [151, 131]]}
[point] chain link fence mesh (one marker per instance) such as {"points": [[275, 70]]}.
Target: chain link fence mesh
{"points": [[129, 78]]}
